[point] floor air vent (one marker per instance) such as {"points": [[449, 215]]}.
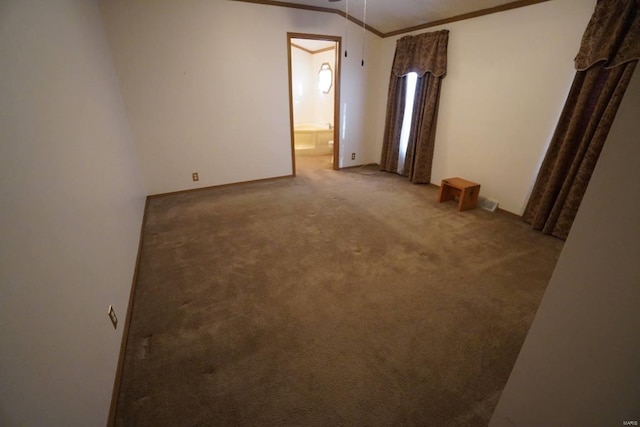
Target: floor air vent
{"points": [[487, 204]]}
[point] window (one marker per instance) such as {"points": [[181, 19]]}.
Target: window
{"points": [[325, 78], [412, 79]]}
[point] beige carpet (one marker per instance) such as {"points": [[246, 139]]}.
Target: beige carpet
{"points": [[336, 298]]}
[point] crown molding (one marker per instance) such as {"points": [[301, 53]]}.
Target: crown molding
{"points": [[488, 11], [313, 52]]}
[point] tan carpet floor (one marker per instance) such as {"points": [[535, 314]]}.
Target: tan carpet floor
{"points": [[336, 298]]}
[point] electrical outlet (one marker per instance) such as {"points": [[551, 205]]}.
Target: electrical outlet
{"points": [[195, 176], [112, 316], [353, 156]]}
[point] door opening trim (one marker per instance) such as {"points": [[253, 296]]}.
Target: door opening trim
{"points": [[336, 95]]}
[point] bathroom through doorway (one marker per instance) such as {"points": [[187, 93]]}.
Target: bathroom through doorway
{"points": [[314, 93]]}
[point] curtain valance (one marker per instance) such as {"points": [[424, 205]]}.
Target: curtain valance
{"points": [[424, 53], [612, 36]]}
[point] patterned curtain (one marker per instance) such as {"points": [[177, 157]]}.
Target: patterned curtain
{"points": [[607, 59], [426, 55]]}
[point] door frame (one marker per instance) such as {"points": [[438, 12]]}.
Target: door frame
{"points": [[336, 95]]}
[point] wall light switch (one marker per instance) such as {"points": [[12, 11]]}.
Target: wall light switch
{"points": [[112, 316]]}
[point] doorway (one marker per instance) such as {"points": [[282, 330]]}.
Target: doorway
{"points": [[314, 99]]}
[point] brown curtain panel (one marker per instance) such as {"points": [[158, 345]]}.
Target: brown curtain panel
{"points": [[425, 54], [422, 138], [607, 59]]}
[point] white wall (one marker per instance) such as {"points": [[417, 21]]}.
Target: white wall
{"points": [[580, 363], [301, 83], [310, 105], [72, 206], [206, 89], [205, 84], [508, 76]]}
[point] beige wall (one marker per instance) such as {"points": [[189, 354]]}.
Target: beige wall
{"points": [[205, 87], [72, 206], [580, 363], [302, 82], [205, 84], [212, 96], [310, 105], [507, 79]]}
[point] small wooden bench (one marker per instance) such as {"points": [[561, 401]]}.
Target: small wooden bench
{"points": [[466, 191]]}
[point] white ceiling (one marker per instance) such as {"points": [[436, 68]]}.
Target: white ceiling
{"points": [[387, 16]]}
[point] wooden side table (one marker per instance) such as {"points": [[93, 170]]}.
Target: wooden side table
{"points": [[466, 191]]}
